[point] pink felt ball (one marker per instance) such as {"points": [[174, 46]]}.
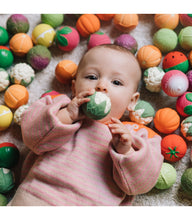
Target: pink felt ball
{"points": [[174, 83], [189, 76], [184, 104], [185, 19]]}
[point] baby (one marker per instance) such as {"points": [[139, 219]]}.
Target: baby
{"points": [[77, 161]]}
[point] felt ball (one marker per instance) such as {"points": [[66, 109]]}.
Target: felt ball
{"points": [[152, 78], [20, 44], [174, 83], [185, 38], [190, 57], [149, 56], [165, 39], [52, 93], [15, 96], [185, 19], [166, 120], [43, 34], [98, 38], [6, 117], [18, 114], [54, 20], [7, 180], [3, 200], [166, 20], [186, 181], [189, 76], [4, 37], [127, 41], [173, 147], [184, 104], [39, 57], [143, 113], [6, 57], [105, 17], [167, 177], [87, 24], [175, 60], [22, 74], [17, 23], [125, 22], [67, 38], [65, 71], [98, 107], [4, 79], [186, 128], [9, 155]]}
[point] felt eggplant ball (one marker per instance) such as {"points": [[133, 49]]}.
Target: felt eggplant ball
{"points": [[184, 104], [98, 107]]}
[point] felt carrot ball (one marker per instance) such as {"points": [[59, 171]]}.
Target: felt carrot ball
{"points": [[186, 128], [149, 56], [87, 24], [67, 38], [175, 60], [15, 96], [166, 20], [98, 38], [20, 44], [4, 37], [125, 22], [105, 17], [6, 57], [185, 19], [166, 120], [65, 71], [185, 38], [184, 104], [6, 117]]}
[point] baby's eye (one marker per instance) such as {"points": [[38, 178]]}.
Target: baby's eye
{"points": [[117, 83], [91, 77]]}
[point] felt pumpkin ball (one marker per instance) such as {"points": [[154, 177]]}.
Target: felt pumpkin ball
{"points": [[175, 60], [55, 20], [67, 38], [18, 114], [184, 104], [189, 76], [65, 71], [185, 38], [6, 57], [186, 128], [174, 83], [17, 23], [185, 19], [105, 17], [15, 96], [186, 181], [6, 117], [166, 120], [125, 22], [7, 180], [190, 57], [149, 56], [43, 34], [98, 38], [20, 44], [4, 36], [52, 93], [127, 41], [4, 79], [87, 24], [3, 200], [166, 20]]}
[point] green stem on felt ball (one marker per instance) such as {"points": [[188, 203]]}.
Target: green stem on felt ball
{"points": [[172, 152]]}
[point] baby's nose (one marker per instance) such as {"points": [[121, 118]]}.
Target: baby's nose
{"points": [[101, 87]]}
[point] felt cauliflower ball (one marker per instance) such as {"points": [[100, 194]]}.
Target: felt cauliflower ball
{"points": [[18, 113], [186, 128], [4, 79]]}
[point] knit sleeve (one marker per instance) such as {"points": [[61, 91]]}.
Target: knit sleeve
{"points": [[41, 129]]}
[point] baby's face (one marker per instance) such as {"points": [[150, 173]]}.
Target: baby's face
{"points": [[112, 72]]}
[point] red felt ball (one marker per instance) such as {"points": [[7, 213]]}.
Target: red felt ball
{"points": [[185, 19], [184, 104]]}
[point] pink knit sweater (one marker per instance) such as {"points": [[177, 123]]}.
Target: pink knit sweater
{"points": [[76, 164]]}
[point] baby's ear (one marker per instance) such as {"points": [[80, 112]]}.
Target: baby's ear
{"points": [[73, 87], [133, 101]]}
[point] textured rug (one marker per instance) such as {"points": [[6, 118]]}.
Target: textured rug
{"points": [[45, 80]]}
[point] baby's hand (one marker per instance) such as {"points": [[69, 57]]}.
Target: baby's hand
{"points": [[122, 139]]}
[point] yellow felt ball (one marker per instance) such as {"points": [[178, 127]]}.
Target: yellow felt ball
{"points": [[6, 117], [43, 34]]}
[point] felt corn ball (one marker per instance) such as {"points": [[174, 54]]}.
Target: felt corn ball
{"points": [[149, 56], [98, 107], [65, 71], [125, 22], [127, 41], [17, 23], [52, 93], [143, 113], [167, 177], [6, 117], [105, 17], [190, 57], [55, 20], [6, 57], [67, 38], [87, 24], [166, 20], [4, 37], [185, 19], [98, 38], [185, 38], [15, 96], [173, 147], [18, 114], [9, 155], [20, 44], [186, 181], [186, 128], [184, 104], [166, 120], [43, 34], [189, 76], [3, 200], [174, 83], [7, 180], [4, 79], [175, 60]]}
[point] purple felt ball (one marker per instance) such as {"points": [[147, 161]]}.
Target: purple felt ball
{"points": [[127, 41], [189, 76]]}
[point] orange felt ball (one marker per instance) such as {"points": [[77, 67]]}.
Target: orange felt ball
{"points": [[190, 57], [87, 24], [105, 17], [125, 22], [166, 120], [166, 20], [20, 44], [65, 71], [15, 96]]}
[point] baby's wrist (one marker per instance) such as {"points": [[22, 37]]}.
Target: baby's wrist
{"points": [[64, 116]]}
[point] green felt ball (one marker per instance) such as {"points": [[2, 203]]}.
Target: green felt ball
{"points": [[185, 38], [6, 57], [167, 176], [52, 19], [3, 200], [186, 181], [4, 37], [165, 39], [7, 180]]}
